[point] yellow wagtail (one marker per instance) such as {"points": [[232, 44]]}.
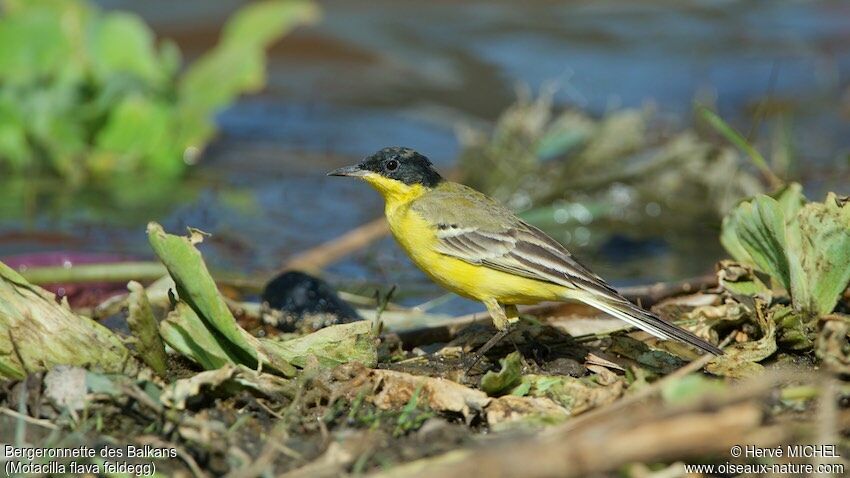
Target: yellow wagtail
{"points": [[477, 248]]}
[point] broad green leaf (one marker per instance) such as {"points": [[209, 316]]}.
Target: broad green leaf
{"points": [[498, 383], [235, 66], [260, 23], [754, 232], [122, 149], [186, 333], [122, 44], [333, 345], [196, 287], [819, 251], [36, 333], [34, 45], [790, 199], [88, 91]]}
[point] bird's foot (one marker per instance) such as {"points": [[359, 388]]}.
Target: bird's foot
{"points": [[479, 354]]}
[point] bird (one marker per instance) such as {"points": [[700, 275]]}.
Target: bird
{"points": [[478, 248]]}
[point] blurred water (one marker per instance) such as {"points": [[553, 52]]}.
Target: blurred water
{"points": [[389, 72]]}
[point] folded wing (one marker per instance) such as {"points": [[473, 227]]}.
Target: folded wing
{"points": [[497, 239]]}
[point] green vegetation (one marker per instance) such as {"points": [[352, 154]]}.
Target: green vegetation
{"points": [[92, 96], [36, 333], [203, 372]]}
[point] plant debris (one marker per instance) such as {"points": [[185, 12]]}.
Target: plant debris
{"points": [[215, 386]]}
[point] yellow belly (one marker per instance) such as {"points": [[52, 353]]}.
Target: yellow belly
{"points": [[417, 238]]}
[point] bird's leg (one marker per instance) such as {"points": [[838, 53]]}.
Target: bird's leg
{"points": [[503, 319]]}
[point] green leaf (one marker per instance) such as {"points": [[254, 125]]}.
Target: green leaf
{"points": [[83, 91], [186, 333], [235, 66], [819, 251], [332, 346], [260, 23], [754, 233], [739, 141], [35, 45], [498, 383], [197, 288], [120, 147], [122, 44], [36, 333], [144, 326], [790, 199]]}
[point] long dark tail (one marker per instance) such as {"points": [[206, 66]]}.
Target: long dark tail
{"points": [[624, 310]]}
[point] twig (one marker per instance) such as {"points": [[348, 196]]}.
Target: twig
{"points": [[83, 273], [29, 419], [331, 251]]}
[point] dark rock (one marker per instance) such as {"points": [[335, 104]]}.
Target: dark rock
{"points": [[565, 366], [304, 298]]}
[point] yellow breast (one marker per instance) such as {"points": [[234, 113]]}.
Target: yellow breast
{"points": [[418, 239]]}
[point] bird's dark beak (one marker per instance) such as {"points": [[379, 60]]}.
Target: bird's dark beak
{"points": [[348, 171]]}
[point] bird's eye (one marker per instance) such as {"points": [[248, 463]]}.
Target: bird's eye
{"points": [[392, 165]]}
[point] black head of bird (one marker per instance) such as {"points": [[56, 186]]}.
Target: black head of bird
{"points": [[397, 164]]}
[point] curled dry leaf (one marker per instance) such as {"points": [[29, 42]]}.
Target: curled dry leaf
{"points": [[237, 376], [513, 409], [741, 282], [705, 320], [740, 360], [575, 395], [510, 375], [658, 361], [176, 395], [393, 390]]}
